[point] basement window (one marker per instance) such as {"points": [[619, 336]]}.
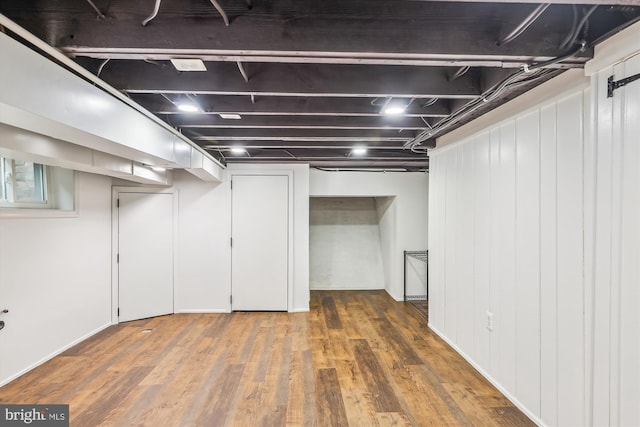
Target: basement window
{"points": [[33, 189], [24, 184]]}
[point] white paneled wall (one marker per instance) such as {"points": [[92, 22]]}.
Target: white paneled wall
{"points": [[614, 265], [506, 242]]}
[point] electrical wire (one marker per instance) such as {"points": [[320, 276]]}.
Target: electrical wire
{"points": [[574, 25], [100, 14], [430, 102], [488, 96], [460, 72], [526, 23], [105, 62], [570, 41], [425, 122]]}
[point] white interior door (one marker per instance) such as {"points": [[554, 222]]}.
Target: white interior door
{"points": [[145, 248], [260, 249]]}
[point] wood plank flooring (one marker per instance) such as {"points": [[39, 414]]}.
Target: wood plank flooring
{"points": [[358, 358]]}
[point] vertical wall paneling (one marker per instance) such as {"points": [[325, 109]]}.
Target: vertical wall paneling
{"points": [[616, 248], [481, 248], [506, 318], [629, 285], [570, 270], [613, 266], [548, 267], [507, 206], [451, 256], [436, 244], [465, 252], [602, 261], [528, 261], [589, 248], [495, 253]]}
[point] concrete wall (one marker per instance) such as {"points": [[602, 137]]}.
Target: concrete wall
{"points": [[406, 226], [345, 250]]}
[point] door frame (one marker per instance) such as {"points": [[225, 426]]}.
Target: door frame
{"points": [[290, 193], [115, 231]]}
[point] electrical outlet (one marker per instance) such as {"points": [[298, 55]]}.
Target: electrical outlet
{"points": [[489, 321]]}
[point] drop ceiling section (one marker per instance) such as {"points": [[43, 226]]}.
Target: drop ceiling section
{"points": [[306, 81]]}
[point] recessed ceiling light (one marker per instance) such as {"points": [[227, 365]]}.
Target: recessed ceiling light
{"points": [[230, 116], [394, 110], [187, 107], [238, 150], [188, 64], [359, 151]]}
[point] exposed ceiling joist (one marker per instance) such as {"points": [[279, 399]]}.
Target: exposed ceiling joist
{"points": [[273, 79], [331, 28], [348, 58], [201, 121], [337, 134], [601, 2], [295, 106], [307, 80]]}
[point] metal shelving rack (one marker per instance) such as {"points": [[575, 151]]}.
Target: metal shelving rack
{"points": [[424, 257]]}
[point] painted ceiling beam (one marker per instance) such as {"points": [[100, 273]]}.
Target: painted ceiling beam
{"points": [[348, 30], [299, 134], [326, 80], [202, 121], [602, 2], [295, 106]]}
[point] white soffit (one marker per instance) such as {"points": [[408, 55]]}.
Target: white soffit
{"points": [[615, 49]]}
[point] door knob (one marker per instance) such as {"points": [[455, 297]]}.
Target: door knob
{"points": [[1, 325], [5, 311]]}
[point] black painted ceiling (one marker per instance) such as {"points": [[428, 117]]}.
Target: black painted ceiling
{"points": [[310, 79]]}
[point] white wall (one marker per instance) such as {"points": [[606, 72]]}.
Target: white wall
{"points": [[300, 224], [535, 213], [411, 200], [386, 212], [345, 250], [55, 279], [204, 256], [203, 268], [613, 236], [506, 237]]}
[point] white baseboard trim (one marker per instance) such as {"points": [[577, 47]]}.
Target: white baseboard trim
{"points": [[300, 310], [202, 311], [54, 354], [344, 288], [399, 299], [488, 377]]}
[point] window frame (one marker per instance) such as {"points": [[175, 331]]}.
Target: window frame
{"points": [[41, 175]]}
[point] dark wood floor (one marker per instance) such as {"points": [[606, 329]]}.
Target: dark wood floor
{"points": [[357, 359], [420, 307]]}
